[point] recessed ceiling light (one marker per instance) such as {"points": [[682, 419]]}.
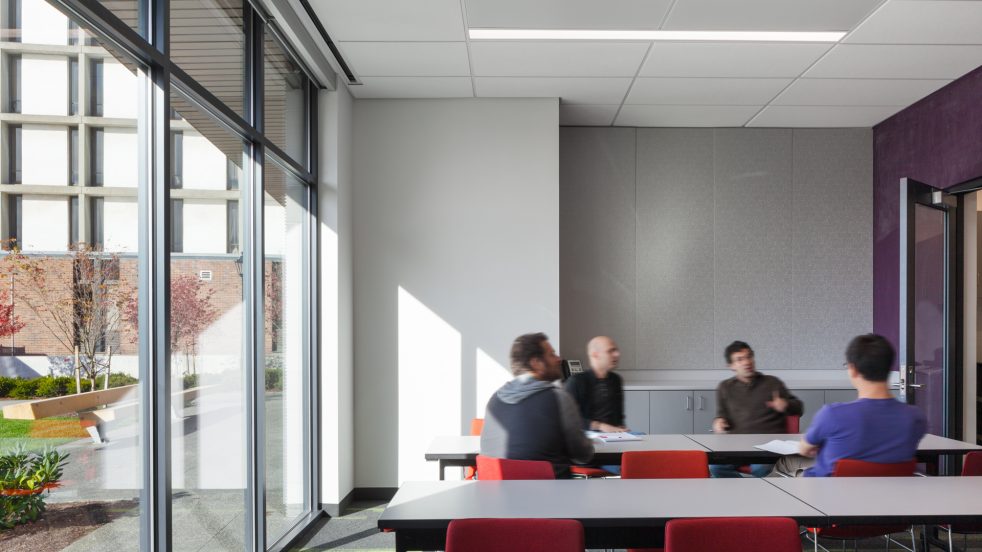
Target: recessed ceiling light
{"points": [[702, 36]]}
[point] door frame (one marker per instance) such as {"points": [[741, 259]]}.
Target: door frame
{"points": [[950, 202]]}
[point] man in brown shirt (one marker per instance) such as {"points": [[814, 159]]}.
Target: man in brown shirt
{"points": [[750, 402]]}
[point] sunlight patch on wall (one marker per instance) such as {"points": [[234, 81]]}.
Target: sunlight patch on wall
{"points": [[429, 385]]}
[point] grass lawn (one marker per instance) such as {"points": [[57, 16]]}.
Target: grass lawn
{"points": [[38, 434]]}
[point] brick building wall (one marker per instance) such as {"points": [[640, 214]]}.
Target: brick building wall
{"points": [[36, 339]]}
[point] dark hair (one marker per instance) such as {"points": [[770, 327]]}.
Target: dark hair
{"points": [[735, 347], [524, 349], [872, 355]]}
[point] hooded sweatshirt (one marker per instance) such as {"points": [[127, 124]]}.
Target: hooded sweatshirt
{"points": [[529, 419]]}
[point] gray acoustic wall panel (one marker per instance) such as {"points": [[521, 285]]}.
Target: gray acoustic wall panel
{"points": [[763, 235], [833, 249], [597, 239], [753, 242], [675, 248]]}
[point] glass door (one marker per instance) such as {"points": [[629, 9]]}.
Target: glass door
{"points": [[929, 352]]}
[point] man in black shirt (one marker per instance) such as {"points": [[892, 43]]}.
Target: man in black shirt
{"points": [[599, 392], [529, 418]]}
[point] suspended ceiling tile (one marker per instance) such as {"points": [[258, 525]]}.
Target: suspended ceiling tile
{"points": [[707, 91], [857, 92], [920, 22], [407, 59], [769, 15], [729, 59], [822, 116], [565, 14], [391, 20], [413, 87], [897, 62], [556, 59], [685, 115], [569, 90]]}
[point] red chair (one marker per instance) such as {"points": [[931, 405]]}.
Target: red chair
{"points": [[587, 472], [859, 468], [497, 469], [664, 464], [518, 535], [732, 535], [972, 466], [477, 426], [792, 424]]}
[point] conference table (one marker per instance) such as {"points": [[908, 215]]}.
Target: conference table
{"points": [[632, 513], [725, 448]]}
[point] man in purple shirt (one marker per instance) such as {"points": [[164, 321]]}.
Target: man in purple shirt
{"points": [[876, 427]]}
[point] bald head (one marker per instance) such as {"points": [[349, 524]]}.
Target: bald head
{"points": [[603, 354]]}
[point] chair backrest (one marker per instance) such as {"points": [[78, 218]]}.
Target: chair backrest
{"points": [[477, 426], [860, 468], [732, 534], [972, 464], [519, 535], [664, 464], [792, 424], [492, 469]]}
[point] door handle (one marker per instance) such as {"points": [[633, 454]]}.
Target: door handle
{"points": [[915, 386], [701, 403], [688, 402]]}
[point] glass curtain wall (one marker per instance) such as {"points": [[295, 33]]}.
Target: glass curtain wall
{"points": [[156, 207]]}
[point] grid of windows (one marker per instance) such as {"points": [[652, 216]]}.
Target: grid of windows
{"points": [[13, 83], [74, 116]]}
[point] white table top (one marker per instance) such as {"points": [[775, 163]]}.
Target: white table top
{"points": [[875, 499], [468, 446], [609, 503], [745, 442]]}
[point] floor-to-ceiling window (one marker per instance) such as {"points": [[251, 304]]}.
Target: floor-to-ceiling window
{"points": [[156, 188]]}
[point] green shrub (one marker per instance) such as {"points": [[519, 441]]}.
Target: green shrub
{"points": [[120, 380], [274, 379], [51, 387], [25, 477], [190, 380], [25, 388], [6, 386]]}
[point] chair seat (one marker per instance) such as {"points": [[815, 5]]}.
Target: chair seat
{"points": [[588, 472]]}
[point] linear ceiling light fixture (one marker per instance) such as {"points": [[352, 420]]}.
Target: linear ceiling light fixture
{"points": [[707, 36]]}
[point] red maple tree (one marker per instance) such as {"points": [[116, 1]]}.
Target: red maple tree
{"points": [[191, 312], [10, 323]]}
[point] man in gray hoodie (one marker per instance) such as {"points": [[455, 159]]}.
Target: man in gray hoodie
{"points": [[530, 418]]}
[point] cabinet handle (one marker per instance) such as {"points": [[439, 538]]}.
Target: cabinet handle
{"points": [[688, 402], [702, 403]]}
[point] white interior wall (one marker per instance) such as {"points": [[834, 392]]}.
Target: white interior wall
{"points": [[456, 225], [334, 191]]}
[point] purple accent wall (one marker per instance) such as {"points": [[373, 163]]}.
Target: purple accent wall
{"points": [[937, 141]]}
